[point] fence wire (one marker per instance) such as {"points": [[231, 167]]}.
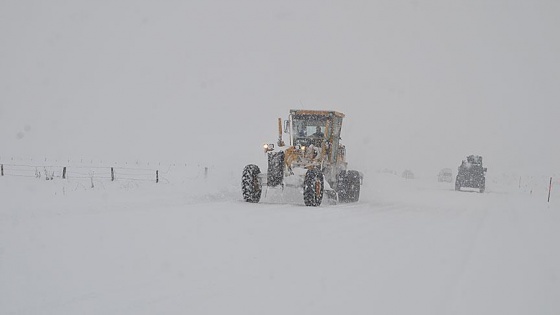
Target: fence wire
{"points": [[166, 174]]}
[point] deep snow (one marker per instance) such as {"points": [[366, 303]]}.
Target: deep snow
{"points": [[194, 247], [422, 84]]}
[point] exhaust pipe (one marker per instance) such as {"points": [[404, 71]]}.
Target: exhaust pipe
{"points": [[280, 141]]}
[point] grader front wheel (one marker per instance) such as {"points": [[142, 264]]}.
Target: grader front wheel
{"points": [[313, 188], [250, 184]]}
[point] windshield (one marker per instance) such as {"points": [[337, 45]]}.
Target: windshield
{"points": [[308, 128]]}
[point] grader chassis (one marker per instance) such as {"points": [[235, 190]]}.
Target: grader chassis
{"points": [[314, 161]]}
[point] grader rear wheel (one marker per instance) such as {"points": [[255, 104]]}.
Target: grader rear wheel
{"points": [[353, 186], [349, 186]]}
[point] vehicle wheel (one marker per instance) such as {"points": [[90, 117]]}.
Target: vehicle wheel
{"points": [[352, 186], [250, 184], [348, 186], [342, 189], [457, 184], [275, 173], [313, 187]]}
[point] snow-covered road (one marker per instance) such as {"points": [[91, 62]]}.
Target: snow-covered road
{"points": [[409, 247]]}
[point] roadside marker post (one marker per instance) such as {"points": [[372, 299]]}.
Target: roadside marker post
{"points": [[549, 189]]}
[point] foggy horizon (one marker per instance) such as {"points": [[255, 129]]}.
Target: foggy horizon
{"points": [[423, 84]]}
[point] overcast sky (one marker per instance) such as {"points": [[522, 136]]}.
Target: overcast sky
{"points": [[422, 83]]}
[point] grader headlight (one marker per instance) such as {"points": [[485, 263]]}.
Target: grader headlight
{"points": [[268, 147]]}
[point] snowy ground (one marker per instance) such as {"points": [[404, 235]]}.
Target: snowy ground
{"points": [[408, 247]]}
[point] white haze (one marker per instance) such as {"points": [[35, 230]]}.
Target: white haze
{"points": [[202, 83], [423, 83]]}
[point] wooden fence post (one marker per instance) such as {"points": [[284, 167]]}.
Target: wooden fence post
{"points": [[157, 176], [64, 172], [2, 169], [112, 175], [205, 172]]}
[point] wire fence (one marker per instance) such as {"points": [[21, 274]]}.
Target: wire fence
{"points": [[158, 173]]}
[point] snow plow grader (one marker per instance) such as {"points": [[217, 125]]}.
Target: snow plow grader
{"points": [[313, 161]]}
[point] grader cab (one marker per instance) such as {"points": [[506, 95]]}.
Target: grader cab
{"points": [[313, 160]]}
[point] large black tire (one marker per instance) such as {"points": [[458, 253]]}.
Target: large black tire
{"points": [[341, 187], [353, 186], [275, 174], [250, 184], [313, 188], [348, 187]]}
